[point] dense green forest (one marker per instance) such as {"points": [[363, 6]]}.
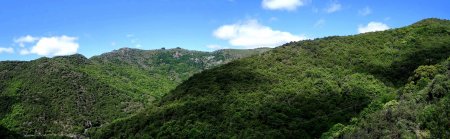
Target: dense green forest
{"points": [[421, 110], [389, 84], [67, 95]]}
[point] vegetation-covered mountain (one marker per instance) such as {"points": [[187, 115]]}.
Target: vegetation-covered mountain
{"points": [[50, 96], [69, 94], [381, 84], [420, 110], [156, 72]]}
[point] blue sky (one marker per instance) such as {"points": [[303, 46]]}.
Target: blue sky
{"points": [[30, 29]]}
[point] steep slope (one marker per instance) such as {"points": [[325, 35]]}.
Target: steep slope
{"points": [[421, 110], [153, 73], [67, 95], [50, 96], [300, 89]]}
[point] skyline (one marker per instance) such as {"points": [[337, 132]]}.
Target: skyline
{"points": [[32, 29]]}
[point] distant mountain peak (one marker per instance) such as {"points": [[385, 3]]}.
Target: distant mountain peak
{"points": [[430, 21]]}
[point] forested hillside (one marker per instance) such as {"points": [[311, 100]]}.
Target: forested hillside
{"points": [[50, 96], [156, 72], [421, 109], [67, 95], [382, 84]]}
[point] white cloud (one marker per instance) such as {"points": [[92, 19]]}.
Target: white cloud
{"points": [[216, 47], [364, 12], [289, 5], [373, 26], [25, 39], [251, 34], [333, 7], [6, 50], [50, 46], [24, 52]]}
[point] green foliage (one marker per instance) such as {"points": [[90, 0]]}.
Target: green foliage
{"points": [[49, 96], [69, 95], [390, 84], [424, 72], [302, 89], [148, 75], [421, 111]]}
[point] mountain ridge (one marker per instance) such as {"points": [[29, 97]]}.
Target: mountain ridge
{"points": [[366, 85], [300, 89], [65, 95]]}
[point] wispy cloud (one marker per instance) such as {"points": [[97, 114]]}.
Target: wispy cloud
{"points": [[6, 50], [372, 27], [319, 23], [272, 19], [25, 39], [288, 5], [134, 41], [334, 6], [365, 11], [251, 34], [215, 47], [24, 52]]}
